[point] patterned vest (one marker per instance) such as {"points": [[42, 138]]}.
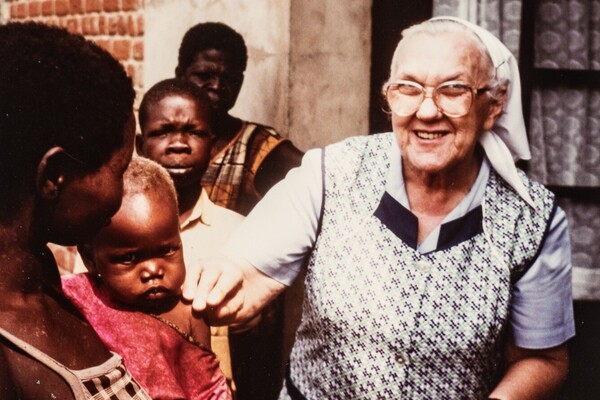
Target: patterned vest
{"points": [[380, 320]]}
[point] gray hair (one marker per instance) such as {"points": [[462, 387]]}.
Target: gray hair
{"points": [[441, 26]]}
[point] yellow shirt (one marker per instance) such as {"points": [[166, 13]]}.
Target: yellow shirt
{"points": [[203, 232]]}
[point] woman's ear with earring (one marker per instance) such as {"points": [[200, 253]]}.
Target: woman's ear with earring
{"points": [[50, 174]]}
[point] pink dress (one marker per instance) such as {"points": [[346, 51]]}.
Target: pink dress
{"points": [[160, 358]]}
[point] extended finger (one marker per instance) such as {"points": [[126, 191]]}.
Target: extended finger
{"points": [[192, 276], [207, 282]]}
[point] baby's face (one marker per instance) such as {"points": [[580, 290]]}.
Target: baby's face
{"points": [[139, 255], [177, 135]]}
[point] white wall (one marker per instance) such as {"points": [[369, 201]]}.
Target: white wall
{"points": [[309, 60]]}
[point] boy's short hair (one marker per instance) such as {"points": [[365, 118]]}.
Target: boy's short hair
{"points": [[57, 89], [212, 35], [144, 176], [169, 87]]}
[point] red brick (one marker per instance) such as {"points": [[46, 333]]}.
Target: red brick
{"points": [[93, 6], [76, 6], [131, 26], [18, 11], [112, 25], [105, 44], [47, 7], [61, 7], [35, 9], [112, 5], [102, 30], [89, 25], [140, 25], [122, 25], [73, 25], [138, 50], [62, 22], [130, 5], [121, 49]]}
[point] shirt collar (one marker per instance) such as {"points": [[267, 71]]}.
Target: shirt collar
{"points": [[201, 211], [395, 188]]}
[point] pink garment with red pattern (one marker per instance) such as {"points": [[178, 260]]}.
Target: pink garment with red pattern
{"points": [[160, 359]]}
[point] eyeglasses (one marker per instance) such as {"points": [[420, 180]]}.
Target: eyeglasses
{"points": [[453, 99]]}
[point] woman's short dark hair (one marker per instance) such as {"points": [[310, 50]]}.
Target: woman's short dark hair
{"points": [[58, 89], [212, 35], [169, 87]]}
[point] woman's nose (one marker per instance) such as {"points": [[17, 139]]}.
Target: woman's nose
{"points": [[428, 109]]}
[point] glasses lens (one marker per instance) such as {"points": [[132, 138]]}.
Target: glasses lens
{"points": [[404, 98], [453, 99]]}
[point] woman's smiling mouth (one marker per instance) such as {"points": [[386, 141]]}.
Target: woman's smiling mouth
{"points": [[428, 135]]}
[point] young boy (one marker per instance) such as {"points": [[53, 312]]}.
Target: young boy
{"points": [[136, 264], [175, 120]]}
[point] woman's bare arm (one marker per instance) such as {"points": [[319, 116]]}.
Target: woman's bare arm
{"points": [[532, 374]]}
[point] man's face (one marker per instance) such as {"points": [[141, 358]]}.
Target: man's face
{"points": [[213, 71]]}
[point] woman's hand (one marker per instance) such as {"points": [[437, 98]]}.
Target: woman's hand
{"points": [[228, 291]]}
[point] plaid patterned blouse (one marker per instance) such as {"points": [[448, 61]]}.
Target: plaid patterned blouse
{"points": [[229, 179]]}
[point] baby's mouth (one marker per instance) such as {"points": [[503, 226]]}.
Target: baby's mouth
{"points": [[156, 292]]}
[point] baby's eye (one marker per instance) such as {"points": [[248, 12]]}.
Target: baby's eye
{"points": [[169, 251], [128, 258]]}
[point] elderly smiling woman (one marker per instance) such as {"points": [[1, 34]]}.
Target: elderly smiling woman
{"points": [[434, 268]]}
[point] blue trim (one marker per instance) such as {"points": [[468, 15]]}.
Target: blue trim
{"points": [[398, 219], [405, 225], [461, 229]]}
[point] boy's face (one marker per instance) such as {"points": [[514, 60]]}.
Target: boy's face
{"points": [[139, 255], [177, 135]]}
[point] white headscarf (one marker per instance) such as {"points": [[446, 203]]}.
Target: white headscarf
{"points": [[507, 141]]}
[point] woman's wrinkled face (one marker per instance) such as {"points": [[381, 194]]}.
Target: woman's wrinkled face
{"points": [[429, 141]]}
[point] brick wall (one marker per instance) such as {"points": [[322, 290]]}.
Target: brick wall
{"points": [[116, 25]]}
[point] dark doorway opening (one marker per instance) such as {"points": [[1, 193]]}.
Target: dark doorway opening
{"points": [[390, 17]]}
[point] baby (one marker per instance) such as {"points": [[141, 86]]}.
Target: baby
{"points": [[132, 293]]}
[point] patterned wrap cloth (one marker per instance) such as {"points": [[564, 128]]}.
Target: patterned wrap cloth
{"points": [[229, 178], [400, 324]]}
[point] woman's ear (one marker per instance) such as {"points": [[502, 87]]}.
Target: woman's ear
{"points": [[51, 173], [496, 107]]}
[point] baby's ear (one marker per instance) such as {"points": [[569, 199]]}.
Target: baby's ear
{"points": [[87, 255]]}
